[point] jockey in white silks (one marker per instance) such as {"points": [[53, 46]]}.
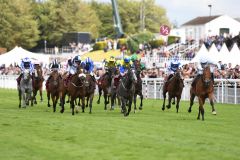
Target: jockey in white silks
{"points": [[173, 66]]}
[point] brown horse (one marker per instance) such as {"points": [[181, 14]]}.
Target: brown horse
{"points": [[202, 87], [90, 89], [174, 88], [104, 84], [37, 82], [53, 88]]}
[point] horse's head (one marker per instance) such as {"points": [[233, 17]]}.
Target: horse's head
{"points": [[55, 77], [207, 75], [131, 76], [26, 74]]}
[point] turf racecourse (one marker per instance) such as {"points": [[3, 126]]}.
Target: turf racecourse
{"points": [[36, 133]]}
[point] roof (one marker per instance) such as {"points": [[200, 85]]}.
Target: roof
{"points": [[200, 20], [238, 19]]}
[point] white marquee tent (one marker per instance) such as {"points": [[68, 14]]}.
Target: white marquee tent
{"points": [[18, 53], [223, 55]]}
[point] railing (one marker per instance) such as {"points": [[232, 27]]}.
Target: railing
{"points": [[225, 91]]}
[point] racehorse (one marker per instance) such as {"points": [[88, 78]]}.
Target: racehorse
{"points": [[174, 89], [203, 88], [126, 90], [138, 85], [37, 82], [54, 88], [113, 91], [76, 89], [104, 84], [90, 85], [25, 89]]}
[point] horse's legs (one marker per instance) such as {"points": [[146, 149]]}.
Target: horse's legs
{"points": [[62, 99], [40, 92], [123, 106], [87, 101], [99, 95], [113, 98], [90, 102], [34, 96], [105, 101], [178, 100], [72, 104], [164, 98], [211, 97], [201, 109], [191, 102], [54, 102], [173, 101], [169, 101], [20, 98], [83, 104], [134, 102], [129, 106], [141, 98], [23, 99], [48, 97]]}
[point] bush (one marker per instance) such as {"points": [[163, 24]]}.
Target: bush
{"points": [[134, 41], [100, 45], [122, 42], [157, 43], [172, 39]]}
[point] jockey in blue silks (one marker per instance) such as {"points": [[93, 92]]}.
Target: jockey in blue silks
{"points": [[126, 64], [25, 64], [173, 66], [88, 67]]}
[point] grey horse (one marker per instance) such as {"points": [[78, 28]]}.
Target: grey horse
{"points": [[25, 89]]}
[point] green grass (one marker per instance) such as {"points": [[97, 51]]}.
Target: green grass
{"points": [[36, 133]]}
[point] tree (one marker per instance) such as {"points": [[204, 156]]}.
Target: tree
{"points": [[61, 16], [17, 24]]}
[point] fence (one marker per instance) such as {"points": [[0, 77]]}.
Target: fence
{"points": [[225, 91]]}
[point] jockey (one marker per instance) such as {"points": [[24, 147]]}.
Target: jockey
{"points": [[54, 67], [203, 62], [126, 64], [74, 64], [174, 64], [88, 67], [72, 68], [25, 64]]}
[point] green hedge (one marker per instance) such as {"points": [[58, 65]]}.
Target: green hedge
{"points": [[156, 43], [172, 39], [99, 45]]}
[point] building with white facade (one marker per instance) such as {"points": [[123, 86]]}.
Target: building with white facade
{"points": [[201, 27]]}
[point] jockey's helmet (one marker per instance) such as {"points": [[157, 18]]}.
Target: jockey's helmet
{"points": [[126, 59], [134, 57], [77, 60], [203, 59], [26, 60], [88, 60], [176, 58], [112, 59]]}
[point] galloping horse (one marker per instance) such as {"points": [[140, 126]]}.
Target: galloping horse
{"points": [[25, 89], [202, 87], [138, 85], [53, 88], [104, 84], [90, 89], [174, 88], [37, 82], [126, 90]]}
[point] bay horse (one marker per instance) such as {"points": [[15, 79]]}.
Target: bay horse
{"points": [[76, 89], [25, 89], [37, 82], [90, 86], [104, 84], [53, 89], [203, 88], [126, 91], [138, 85], [174, 89]]}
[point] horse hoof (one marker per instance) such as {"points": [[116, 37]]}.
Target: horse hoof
{"points": [[49, 105], [105, 108], [90, 112], [98, 102], [168, 107], [61, 111], [214, 113], [140, 108], [35, 102], [163, 109], [189, 111]]}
